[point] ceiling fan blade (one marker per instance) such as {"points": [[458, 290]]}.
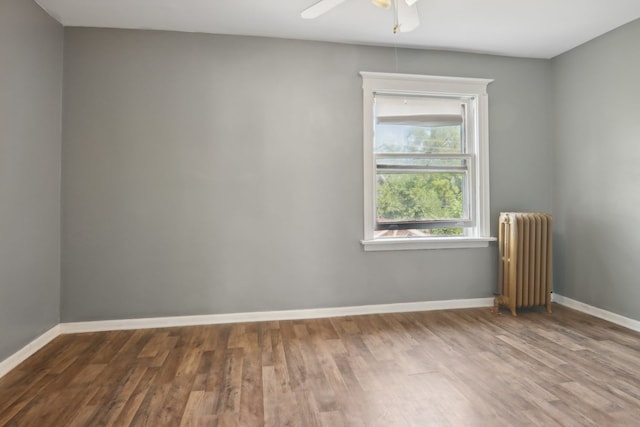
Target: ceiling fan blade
{"points": [[323, 6], [408, 17]]}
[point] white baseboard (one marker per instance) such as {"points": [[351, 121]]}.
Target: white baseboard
{"points": [[210, 319], [21, 355], [597, 312], [261, 316]]}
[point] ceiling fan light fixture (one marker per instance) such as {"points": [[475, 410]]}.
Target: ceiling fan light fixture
{"points": [[411, 2], [385, 4]]}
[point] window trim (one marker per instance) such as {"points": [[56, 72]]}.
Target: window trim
{"points": [[373, 82]]}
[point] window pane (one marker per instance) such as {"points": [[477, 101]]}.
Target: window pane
{"points": [[419, 197], [418, 139]]}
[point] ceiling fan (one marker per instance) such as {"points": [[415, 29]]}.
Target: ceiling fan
{"points": [[406, 16]]}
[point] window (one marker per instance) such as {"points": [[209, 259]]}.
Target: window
{"points": [[425, 162]]}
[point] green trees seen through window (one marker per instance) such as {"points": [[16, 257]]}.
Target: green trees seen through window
{"points": [[419, 195]]}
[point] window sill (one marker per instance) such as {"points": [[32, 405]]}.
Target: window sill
{"points": [[428, 243]]}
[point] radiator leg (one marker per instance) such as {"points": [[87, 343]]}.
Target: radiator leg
{"points": [[496, 305], [549, 306], [502, 300]]}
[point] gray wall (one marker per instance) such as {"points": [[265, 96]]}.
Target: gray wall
{"points": [[30, 143], [212, 174], [597, 172]]}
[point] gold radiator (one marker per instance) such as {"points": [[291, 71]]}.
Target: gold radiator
{"points": [[524, 260]]}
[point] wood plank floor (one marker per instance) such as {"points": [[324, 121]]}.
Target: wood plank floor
{"points": [[440, 368]]}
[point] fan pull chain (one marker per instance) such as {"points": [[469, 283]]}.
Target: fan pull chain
{"points": [[395, 51], [396, 25]]}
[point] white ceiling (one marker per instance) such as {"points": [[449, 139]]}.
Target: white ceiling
{"points": [[526, 28]]}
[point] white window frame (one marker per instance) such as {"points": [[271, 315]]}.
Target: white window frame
{"points": [[410, 84]]}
